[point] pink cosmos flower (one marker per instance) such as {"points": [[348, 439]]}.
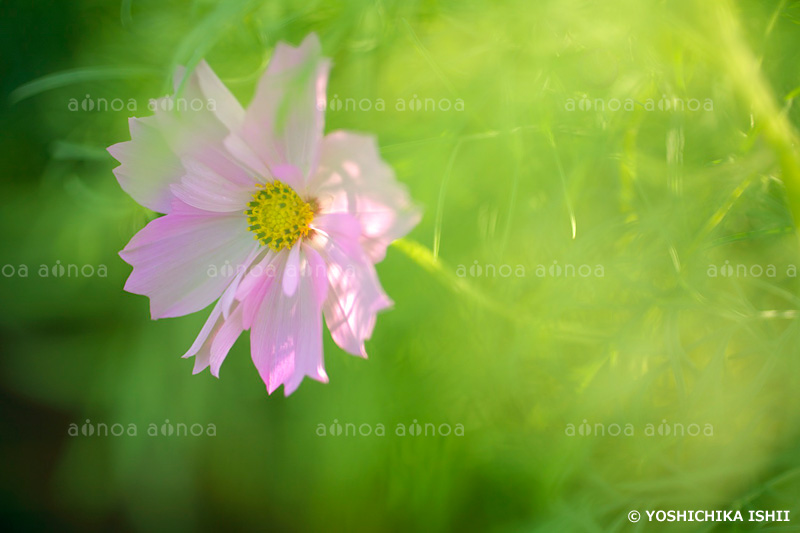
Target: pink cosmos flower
{"points": [[277, 223]]}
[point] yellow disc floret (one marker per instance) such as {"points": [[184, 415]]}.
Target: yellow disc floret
{"points": [[278, 216]]}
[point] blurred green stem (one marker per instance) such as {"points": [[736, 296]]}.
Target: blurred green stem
{"points": [[459, 286], [744, 70]]}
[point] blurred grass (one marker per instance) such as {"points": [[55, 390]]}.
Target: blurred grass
{"points": [[653, 197]]}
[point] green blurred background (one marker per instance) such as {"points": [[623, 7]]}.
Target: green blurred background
{"points": [[535, 135]]}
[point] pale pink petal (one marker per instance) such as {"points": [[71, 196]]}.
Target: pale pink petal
{"points": [[244, 155], [310, 362], [291, 273], [204, 85], [221, 308], [148, 166], [317, 273], [286, 335], [254, 287], [284, 122], [206, 349], [290, 175], [221, 162], [207, 341], [215, 340], [185, 260], [201, 348], [342, 227], [204, 188], [253, 277], [352, 178], [151, 160], [355, 295], [224, 339], [228, 297]]}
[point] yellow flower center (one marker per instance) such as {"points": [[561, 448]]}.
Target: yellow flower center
{"points": [[278, 216]]}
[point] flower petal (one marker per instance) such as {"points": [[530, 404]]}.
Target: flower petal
{"points": [[224, 339], [216, 339], [317, 272], [204, 85], [184, 261], [291, 273], [148, 164], [201, 347], [224, 326], [284, 122], [290, 175], [254, 282], [352, 178], [341, 227], [355, 295], [151, 160], [222, 308], [204, 188], [286, 335]]}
